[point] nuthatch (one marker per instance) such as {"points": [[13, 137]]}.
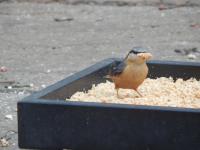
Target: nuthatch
{"points": [[132, 71]]}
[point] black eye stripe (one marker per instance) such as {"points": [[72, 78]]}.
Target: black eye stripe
{"points": [[135, 52]]}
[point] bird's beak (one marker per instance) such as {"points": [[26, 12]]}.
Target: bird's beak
{"points": [[145, 56]]}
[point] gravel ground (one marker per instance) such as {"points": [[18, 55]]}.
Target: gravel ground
{"points": [[41, 44]]}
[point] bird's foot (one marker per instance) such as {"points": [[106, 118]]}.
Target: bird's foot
{"points": [[139, 93], [119, 97]]}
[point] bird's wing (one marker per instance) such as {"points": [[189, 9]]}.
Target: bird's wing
{"points": [[117, 69]]}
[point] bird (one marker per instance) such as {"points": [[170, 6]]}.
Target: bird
{"points": [[131, 71]]}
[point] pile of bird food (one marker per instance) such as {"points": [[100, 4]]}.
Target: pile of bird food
{"points": [[158, 92]]}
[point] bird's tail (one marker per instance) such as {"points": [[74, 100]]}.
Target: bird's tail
{"points": [[109, 73]]}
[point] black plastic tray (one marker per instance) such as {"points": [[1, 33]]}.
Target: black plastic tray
{"points": [[47, 121]]}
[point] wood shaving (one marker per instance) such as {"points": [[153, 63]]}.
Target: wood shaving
{"points": [[157, 92]]}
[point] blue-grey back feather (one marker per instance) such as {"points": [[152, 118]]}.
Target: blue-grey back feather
{"points": [[117, 68]]}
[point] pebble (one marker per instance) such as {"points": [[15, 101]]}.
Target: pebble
{"points": [[63, 19], [3, 69], [21, 93], [9, 87], [31, 85], [48, 71], [4, 142], [10, 117], [191, 56], [162, 7], [43, 85]]}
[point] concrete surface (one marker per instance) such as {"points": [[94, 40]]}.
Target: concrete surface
{"points": [[119, 2], [41, 44]]}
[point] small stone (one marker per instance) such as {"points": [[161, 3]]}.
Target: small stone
{"points": [[162, 7], [10, 117], [196, 25], [48, 71], [43, 85], [31, 85], [3, 69], [63, 19], [177, 51], [191, 56], [9, 87], [4, 142], [195, 50], [21, 93]]}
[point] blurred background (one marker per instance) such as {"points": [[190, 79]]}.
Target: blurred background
{"points": [[44, 41]]}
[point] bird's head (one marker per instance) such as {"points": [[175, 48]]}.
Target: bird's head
{"points": [[138, 55]]}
